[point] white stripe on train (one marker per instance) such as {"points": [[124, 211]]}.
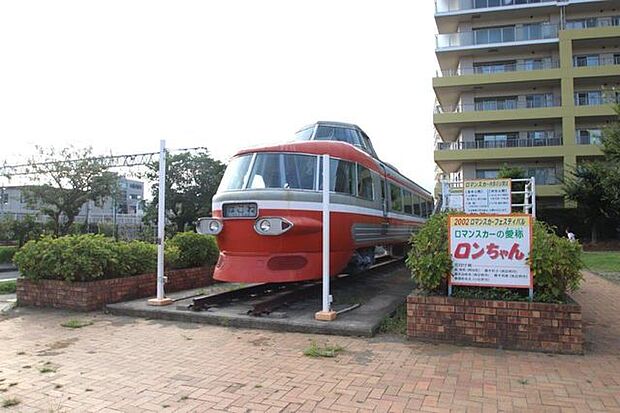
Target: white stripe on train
{"points": [[317, 206]]}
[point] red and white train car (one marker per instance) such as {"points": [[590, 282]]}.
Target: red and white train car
{"points": [[267, 213]]}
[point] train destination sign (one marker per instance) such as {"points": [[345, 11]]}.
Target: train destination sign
{"points": [[490, 250], [487, 196]]}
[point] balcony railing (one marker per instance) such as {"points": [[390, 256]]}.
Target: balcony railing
{"points": [[511, 143], [505, 68], [496, 36], [588, 140], [597, 100], [596, 61], [447, 6], [497, 105], [591, 22]]}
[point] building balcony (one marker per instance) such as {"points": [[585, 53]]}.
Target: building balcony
{"points": [[459, 6], [501, 68], [498, 105], [511, 143], [497, 37], [592, 22]]}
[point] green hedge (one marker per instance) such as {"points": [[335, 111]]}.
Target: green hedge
{"points": [[91, 257], [195, 250], [6, 254], [556, 264]]}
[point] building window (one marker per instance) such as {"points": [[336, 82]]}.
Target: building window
{"points": [[617, 59], [588, 136], [545, 175], [487, 173], [586, 60], [495, 67], [589, 98], [495, 103], [5, 198], [494, 35], [496, 140], [539, 100]]}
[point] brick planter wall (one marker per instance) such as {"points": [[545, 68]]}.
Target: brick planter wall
{"points": [[94, 295], [502, 324]]}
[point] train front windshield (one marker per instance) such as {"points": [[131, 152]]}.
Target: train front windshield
{"points": [[270, 170]]}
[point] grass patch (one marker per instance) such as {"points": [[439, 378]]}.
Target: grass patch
{"points": [[8, 287], [604, 261], [395, 323], [322, 351], [76, 324], [10, 402], [47, 369]]}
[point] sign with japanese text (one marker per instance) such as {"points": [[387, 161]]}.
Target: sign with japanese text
{"points": [[455, 201], [490, 250], [487, 196]]}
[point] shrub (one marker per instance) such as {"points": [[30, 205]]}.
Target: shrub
{"points": [[556, 263], [6, 254], [89, 257], [429, 259], [195, 250]]}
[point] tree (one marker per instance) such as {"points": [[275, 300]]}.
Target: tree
{"points": [[61, 187], [611, 139], [191, 181], [594, 186]]}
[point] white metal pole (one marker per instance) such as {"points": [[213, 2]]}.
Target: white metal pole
{"points": [[326, 232], [161, 209]]}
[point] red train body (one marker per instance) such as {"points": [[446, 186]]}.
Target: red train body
{"points": [[267, 212]]}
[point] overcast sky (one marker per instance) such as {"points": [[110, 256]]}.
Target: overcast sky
{"points": [[120, 75]]}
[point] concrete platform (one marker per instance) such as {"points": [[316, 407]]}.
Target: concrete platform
{"points": [[378, 294]]}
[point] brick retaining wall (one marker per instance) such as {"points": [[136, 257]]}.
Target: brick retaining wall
{"points": [[501, 324], [94, 295]]}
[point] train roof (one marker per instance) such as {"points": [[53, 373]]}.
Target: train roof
{"points": [[340, 150]]}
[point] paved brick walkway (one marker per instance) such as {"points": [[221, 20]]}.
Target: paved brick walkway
{"points": [[131, 365]]}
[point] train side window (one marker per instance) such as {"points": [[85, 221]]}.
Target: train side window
{"points": [[407, 202], [340, 176], [364, 183], [396, 196], [423, 209], [429, 208], [416, 205]]}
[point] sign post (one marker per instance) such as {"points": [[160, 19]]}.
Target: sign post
{"points": [[490, 251], [326, 313], [490, 196], [161, 220]]}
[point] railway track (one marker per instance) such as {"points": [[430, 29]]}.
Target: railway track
{"points": [[266, 298]]}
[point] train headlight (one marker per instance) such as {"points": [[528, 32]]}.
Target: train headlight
{"points": [[264, 225], [209, 226], [272, 226]]}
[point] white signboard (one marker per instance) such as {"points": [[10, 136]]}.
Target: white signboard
{"points": [[491, 250], [455, 201], [487, 196]]}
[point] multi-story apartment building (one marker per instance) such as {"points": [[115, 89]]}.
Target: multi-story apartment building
{"points": [[126, 206], [527, 83]]}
